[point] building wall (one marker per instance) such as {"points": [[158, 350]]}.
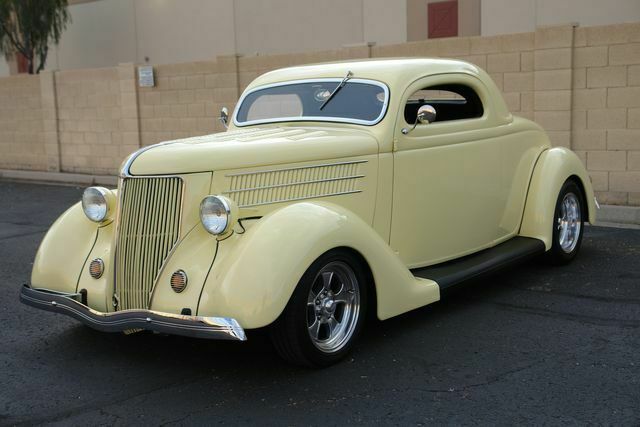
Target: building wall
{"points": [[21, 124], [108, 32], [384, 21], [418, 18], [173, 31], [581, 84], [283, 26], [514, 16], [4, 66], [101, 34], [89, 119]]}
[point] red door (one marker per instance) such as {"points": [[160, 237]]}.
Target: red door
{"points": [[443, 19], [23, 64]]}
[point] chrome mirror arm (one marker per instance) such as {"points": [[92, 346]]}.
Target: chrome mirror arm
{"points": [[426, 114], [224, 117]]}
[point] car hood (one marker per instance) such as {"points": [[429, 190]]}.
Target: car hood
{"points": [[251, 147]]}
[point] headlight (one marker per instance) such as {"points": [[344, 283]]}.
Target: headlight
{"points": [[95, 203], [216, 214]]}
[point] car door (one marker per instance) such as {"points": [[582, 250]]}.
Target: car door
{"points": [[448, 194]]}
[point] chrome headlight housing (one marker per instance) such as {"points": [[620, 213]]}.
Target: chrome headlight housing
{"points": [[95, 203], [217, 214]]}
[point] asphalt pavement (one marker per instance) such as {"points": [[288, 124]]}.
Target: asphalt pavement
{"points": [[531, 345]]}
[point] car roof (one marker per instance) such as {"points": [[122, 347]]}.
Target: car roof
{"points": [[392, 71]]}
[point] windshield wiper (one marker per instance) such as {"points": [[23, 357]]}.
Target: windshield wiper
{"points": [[337, 89]]}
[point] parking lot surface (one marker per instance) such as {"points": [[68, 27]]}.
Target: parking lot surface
{"points": [[532, 345]]}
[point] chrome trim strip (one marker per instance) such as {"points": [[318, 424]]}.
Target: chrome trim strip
{"points": [[383, 110], [297, 168], [125, 171], [317, 181], [300, 198], [224, 328]]}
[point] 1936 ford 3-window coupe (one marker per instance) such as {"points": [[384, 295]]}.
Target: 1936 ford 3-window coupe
{"points": [[339, 190]]}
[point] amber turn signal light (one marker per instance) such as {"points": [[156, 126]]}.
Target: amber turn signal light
{"points": [[179, 281], [96, 268]]}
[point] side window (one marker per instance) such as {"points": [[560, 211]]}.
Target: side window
{"points": [[451, 102]]}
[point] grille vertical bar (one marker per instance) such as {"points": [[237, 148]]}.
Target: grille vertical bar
{"points": [[148, 230]]}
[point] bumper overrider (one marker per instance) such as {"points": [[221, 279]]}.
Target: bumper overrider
{"points": [[176, 324]]}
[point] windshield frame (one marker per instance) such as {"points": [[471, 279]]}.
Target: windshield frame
{"points": [[383, 110]]}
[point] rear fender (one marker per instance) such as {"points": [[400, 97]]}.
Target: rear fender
{"points": [[553, 168]]}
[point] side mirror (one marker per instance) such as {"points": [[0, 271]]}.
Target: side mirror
{"points": [[426, 114], [224, 117]]}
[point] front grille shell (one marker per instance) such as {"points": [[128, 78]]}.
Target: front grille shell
{"points": [[148, 228]]}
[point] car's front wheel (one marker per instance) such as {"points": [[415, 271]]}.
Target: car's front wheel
{"points": [[568, 224], [325, 312]]}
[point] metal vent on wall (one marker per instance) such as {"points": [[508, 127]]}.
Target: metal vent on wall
{"points": [[299, 183]]}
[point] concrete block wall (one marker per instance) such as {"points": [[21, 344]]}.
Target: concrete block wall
{"points": [[21, 124], [581, 84], [606, 109], [187, 99], [507, 58], [90, 120]]}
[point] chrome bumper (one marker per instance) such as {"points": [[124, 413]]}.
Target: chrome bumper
{"points": [[176, 324]]}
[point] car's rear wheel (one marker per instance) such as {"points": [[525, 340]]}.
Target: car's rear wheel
{"points": [[325, 312], [568, 224]]}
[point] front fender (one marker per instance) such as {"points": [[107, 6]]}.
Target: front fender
{"points": [[553, 168], [63, 251], [255, 273]]}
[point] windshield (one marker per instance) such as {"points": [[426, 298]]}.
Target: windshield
{"points": [[359, 101]]}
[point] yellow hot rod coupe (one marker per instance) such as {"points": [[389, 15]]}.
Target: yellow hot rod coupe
{"points": [[339, 190]]}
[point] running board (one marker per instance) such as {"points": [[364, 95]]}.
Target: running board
{"points": [[454, 272]]}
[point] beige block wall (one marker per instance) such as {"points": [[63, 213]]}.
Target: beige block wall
{"points": [[581, 84], [21, 125], [606, 98], [187, 99], [95, 130]]}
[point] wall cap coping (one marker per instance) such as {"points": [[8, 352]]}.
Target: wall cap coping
{"points": [[59, 177]]}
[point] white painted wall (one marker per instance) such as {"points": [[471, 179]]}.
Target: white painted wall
{"points": [[283, 26], [101, 34], [4, 67], [170, 31], [516, 16], [107, 32], [588, 12], [494, 13], [385, 21]]}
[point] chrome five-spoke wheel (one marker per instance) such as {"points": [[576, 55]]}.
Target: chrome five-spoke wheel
{"points": [[333, 306], [326, 311], [569, 222]]}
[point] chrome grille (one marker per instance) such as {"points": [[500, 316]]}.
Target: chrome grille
{"points": [[148, 228]]}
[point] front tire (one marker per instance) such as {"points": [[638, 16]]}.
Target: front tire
{"points": [[568, 224], [325, 313]]}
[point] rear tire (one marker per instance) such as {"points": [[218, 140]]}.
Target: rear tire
{"points": [[568, 224], [325, 314]]}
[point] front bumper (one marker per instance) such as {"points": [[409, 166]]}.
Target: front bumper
{"points": [[176, 324]]}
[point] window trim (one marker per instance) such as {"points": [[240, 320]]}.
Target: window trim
{"points": [[383, 110]]}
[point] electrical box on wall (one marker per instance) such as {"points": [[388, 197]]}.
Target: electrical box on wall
{"points": [[145, 76]]}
